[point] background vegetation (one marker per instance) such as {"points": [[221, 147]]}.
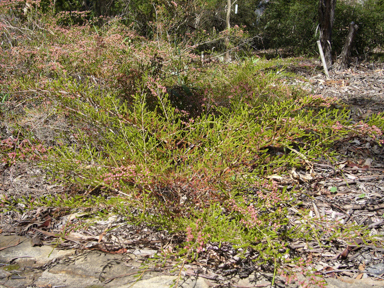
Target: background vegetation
{"points": [[288, 24]]}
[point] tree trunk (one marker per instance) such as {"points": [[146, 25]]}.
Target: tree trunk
{"points": [[326, 19], [344, 60], [101, 7], [227, 56]]}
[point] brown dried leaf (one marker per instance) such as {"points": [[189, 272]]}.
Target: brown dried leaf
{"points": [[47, 222], [359, 276], [328, 269], [101, 236], [358, 241]]}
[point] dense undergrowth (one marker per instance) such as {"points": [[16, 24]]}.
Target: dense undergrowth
{"points": [[165, 138]]}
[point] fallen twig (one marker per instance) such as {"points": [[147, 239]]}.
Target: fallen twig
{"points": [[340, 271], [362, 178]]}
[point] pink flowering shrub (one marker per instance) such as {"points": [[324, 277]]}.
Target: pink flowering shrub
{"points": [[370, 130], [12, 150], [196, 239]]}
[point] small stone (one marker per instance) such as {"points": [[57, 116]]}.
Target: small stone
{"points": [[36, 241], [145, 252]]}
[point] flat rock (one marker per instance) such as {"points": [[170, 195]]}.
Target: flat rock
{"points": [[92, 268], [66, 280], [168, 281], [41, 255], [353, 283]]}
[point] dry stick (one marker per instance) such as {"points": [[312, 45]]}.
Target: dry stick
{"points": [[323, 58], [377, 224], [57, 235], [178, 277], [227, 56], [256, 285], [362, 178], [105, 185], [44, 29], [201, 275], [340, 271], [301, 156]]}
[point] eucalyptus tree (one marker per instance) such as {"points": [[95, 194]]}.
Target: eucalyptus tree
{"points": [[326, 20]]}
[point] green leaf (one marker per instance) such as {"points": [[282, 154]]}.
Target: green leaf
{"points": [[333, 189]]}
